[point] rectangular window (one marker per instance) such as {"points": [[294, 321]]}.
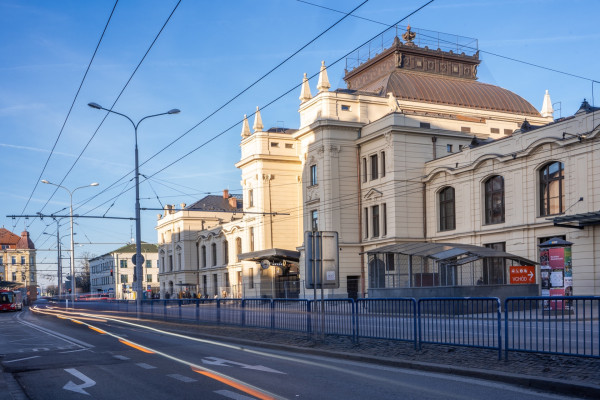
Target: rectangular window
{"points": [[14, 276], [1, 260], [274, 144], [449, 148], [313, 175], [508, 132], [13, 260], [204, 285], [345, 107], [494, 269], [250, 198], [465, 129], [213, 248], [289, 146], [374, 170], [425, 125], [252, 239], [123, 263], [148, 263], [226, 252], [382, 164], [364, 170], [215, 284], [204, 257], [227, 283], [375, 219], [124, 278], [22, 260], [494, 130], [366, 211], [149, 278], [314, 218], [170, 263], [251, 278], [384, 219]]}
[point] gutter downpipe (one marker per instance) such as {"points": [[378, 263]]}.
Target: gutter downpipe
{"points": [[360, 218]]}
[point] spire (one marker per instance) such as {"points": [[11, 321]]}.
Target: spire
{"points": [[258, 125], [323, 84], [245, 127], [305, 92], [547, 110]]}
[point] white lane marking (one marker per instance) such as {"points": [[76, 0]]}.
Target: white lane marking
{"points": [[66, 338], [182, 378], [20, 359], [223, 363], [87, 382], [233, 395], [120, 357], [145, 366], [73, 351]]}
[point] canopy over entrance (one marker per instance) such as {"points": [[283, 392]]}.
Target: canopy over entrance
{"points": [[420, 264]]}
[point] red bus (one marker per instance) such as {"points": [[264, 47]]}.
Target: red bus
{"points": [[11, 300]]}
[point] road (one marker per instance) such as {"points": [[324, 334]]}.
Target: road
{"points": [[58, 355]]}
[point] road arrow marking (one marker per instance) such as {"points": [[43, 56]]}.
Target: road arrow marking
{"points": [[87, 382], [223, 363]]}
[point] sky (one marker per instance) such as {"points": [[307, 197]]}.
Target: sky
{"points": [[201, 61]]}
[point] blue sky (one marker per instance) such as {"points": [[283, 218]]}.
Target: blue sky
{"points": [[207, 53]]}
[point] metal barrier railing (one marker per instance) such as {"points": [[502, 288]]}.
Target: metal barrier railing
{"points": [[557, 325], [470, 322], [394, 319], [566, 325]]}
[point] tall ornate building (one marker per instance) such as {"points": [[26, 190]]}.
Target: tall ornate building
{"points": [[18, 261], [435, 183]]}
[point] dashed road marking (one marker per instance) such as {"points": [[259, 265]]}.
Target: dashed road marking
{"points": [[120, 357], [20, 359], [145, 366], [182, 378]]}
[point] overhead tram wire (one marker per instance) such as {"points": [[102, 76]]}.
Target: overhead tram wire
{"points": [[37, 182], [235, 96], [115, 102]]}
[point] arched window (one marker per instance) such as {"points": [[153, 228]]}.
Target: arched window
{"points": [[552, 189], [447, 214], [494, 200]]}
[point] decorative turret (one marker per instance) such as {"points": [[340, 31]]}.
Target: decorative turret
{"points": [[245, 128], [305, 92], [547, 110], [323, 84], [258, 125]]}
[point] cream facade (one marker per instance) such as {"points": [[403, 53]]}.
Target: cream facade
{"points": [[112, 273], [18, 261]]}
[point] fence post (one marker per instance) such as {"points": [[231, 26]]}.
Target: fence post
{"points": [[308, 319], [180, 302], [165, 309], [243, 312], [499, 314], [414, 312], [272, 314], [354, 321], [419, 338], [506, 329], [197, 310]]}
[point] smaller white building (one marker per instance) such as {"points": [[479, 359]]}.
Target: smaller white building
{"points": [[113, 272]]}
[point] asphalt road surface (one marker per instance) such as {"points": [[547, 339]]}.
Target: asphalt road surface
{"points": [[54, 354]]}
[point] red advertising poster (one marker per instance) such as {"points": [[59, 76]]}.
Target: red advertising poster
{"points": [[556, 304], [556, 257]]}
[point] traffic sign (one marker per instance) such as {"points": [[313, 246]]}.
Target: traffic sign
{"points": [[522, 274], [134, 257]]}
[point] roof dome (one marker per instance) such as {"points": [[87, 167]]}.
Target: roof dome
{"points": [[436, 89], [25, 242]]}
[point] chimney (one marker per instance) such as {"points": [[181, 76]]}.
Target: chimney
{"points": [[225, 193], [233, 202]]}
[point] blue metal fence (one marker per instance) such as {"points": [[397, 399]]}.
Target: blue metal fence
{"points": [[470, 322], [558, 325]]}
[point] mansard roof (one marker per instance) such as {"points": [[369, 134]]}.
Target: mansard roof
{"points": [[25, 241], [217, 203]]}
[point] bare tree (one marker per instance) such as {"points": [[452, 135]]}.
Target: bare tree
{"points": [[83, 276]]}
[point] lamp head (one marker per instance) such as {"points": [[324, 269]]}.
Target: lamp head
{"points": [[44, 181], [174, 111], [95, 105], [94, 184]]}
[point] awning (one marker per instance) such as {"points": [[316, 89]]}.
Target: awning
{"points": [[578, 221], [271, 255], [445, 251]]}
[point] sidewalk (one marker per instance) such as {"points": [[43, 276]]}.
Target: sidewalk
{"points": [[575, 376]]}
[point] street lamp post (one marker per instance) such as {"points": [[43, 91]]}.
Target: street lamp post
{"points": [[137, 278], [73, 284]]}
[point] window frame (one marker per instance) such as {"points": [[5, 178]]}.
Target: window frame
{"points": [[490, 195], [546, 182], [313, 175], [447, 222], [374, 159], [375, 221]]}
